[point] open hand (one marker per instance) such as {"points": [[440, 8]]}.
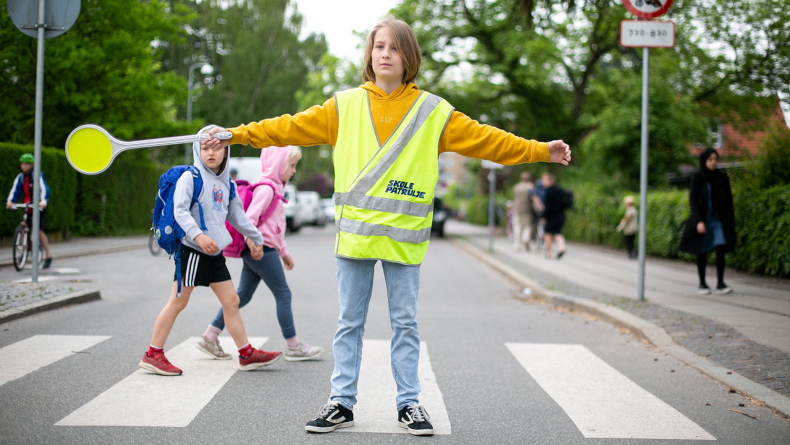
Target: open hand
{"points": [[288, 262], [213, 143], [560, 152]]}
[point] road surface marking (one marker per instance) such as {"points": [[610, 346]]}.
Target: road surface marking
{"points": [[602, 402], [36, 352], [375, 411], [148, 399]]}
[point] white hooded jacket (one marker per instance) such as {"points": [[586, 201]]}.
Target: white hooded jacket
{"points": [[216, 203]]}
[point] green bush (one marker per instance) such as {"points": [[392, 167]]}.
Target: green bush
{"points": [[119, 200]]}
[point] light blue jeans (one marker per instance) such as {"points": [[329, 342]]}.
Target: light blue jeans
{"points": [[354, 286]]}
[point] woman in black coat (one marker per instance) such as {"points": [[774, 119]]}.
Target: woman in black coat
{"points": [[711, 225]]}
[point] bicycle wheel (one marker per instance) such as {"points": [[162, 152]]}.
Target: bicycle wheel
{"points": [[20, 247], [153, 245]]}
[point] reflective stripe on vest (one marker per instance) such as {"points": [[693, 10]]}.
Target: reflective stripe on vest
{"points": [[381, 213]]}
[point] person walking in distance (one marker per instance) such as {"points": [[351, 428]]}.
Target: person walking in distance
{"points": [[553, 215], [628, 225], [525, 204], [387, 136], [711, 226]]}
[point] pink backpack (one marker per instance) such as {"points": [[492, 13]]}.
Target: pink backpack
{"points": [[244, 192]]}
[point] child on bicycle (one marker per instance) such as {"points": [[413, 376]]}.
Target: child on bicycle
{"points": [[202, 263], [22, 190], [387, 136], [278, 165]]}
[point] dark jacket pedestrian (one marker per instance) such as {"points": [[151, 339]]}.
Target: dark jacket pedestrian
{"points": [[711, 225]]}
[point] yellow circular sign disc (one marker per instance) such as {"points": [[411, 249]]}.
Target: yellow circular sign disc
{"points": [[89, 150]]}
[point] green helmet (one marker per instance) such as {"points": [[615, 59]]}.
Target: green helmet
{"points": [[27, 157]]}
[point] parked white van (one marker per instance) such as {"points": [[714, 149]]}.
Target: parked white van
{"points": [[310, 208]]}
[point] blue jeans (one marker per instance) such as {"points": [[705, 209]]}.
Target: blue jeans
{"points": [[270, 270], [354, 286]]}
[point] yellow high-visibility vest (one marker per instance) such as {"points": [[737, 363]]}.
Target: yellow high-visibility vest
{"points": [[384, 193]]}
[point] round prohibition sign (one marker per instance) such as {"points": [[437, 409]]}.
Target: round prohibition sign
{"points": [[647, 9]]}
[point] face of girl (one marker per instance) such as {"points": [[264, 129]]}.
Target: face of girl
{"points": [[212, 157], [712, 162], [290, 169], [386, 58]]}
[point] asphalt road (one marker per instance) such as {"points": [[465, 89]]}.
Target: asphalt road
{"points": [[476, 332]]}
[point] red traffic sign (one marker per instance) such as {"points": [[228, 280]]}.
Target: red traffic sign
{"points": [[647, 9]]}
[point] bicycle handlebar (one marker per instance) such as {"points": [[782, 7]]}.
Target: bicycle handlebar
{"points": [[22, 206]]}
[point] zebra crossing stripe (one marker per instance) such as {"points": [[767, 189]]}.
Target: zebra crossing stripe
{"points": [[375, 411], [147, 399], [602, 402], [48, 349]]}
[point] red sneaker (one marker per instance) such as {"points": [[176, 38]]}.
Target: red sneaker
{"points": [[158, 364], [258, 359]]}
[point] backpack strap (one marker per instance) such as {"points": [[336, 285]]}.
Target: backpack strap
{"points": [[197, 182], [273, 204]]}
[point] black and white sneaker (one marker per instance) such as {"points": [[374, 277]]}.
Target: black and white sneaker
{"points": [[331, 416], [416, 420]]}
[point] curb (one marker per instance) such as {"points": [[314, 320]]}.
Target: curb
{"points": [[84, 252], [83, 296], [639, 328]]}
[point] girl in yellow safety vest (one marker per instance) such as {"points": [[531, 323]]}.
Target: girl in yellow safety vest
{"points": [[387, 136]]}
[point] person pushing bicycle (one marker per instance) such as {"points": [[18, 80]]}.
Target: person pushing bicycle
{"points": [[22, 191]]}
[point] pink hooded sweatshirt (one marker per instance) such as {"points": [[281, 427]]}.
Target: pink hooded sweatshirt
{"points": [[274, 160]]}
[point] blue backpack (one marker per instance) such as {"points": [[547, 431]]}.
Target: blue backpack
{"points": [[166, 229]]}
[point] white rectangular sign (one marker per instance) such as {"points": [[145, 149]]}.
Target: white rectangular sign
{"points": [[647, 33]]}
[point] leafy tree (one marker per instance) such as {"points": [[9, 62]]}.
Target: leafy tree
{"points": [[259, 62], [543, 68], [104, 70]]}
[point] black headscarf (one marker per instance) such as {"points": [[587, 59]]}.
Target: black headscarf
{"points": [[709, 175]]}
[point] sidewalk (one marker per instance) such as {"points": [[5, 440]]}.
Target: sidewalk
{"points": [[23, 298], [741, 339], [83, 246]]}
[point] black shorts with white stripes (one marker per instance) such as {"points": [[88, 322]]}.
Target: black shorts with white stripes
{"points": [[199, 269]]}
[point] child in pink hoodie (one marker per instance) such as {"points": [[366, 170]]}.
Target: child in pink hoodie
{"points": [[278, 165]]}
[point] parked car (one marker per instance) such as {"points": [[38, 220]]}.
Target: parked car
{"points": [[329, 208], [293, 217], [439, 217], [310, 210]]}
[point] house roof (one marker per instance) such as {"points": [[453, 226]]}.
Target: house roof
{"points": [[744, 143]]}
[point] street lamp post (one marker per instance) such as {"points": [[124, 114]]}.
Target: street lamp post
{"points": [[206, 69]]}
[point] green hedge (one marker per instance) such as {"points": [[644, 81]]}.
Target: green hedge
{"points": [[762, 216], [119, 200], [115, 202]]}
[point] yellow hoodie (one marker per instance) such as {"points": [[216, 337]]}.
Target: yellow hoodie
{"points": [[318, 126]]}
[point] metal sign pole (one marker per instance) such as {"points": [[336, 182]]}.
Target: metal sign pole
{"points": [[643, 170], [37, 138], [491, 203]]}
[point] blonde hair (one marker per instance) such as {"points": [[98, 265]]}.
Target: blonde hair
{"points": [[407, 45], [295, 152]]}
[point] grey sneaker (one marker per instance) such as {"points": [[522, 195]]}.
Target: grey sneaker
{"points": [[302, 352], [212, 349]]}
